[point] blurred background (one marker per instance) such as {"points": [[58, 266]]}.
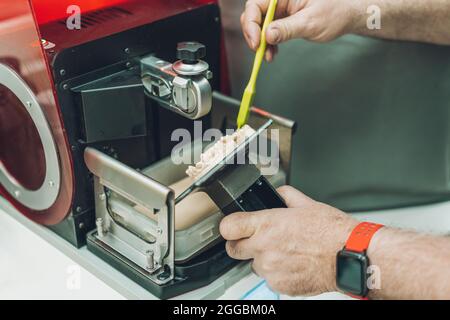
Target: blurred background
{"points": [[373, 120]]}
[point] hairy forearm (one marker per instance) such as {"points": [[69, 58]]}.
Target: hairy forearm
{"points": [[414, 20], [411, 265]]}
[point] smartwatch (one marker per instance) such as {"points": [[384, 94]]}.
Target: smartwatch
{"points": [[352, 261]]}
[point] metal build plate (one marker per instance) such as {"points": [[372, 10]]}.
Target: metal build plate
{"points": [[209, 176]]}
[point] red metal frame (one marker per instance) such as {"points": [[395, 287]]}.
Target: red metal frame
{"points": [[20, 49], [51, 10], [141, 12]]}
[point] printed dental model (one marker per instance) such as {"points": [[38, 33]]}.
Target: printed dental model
{"points": [[219, 151]]}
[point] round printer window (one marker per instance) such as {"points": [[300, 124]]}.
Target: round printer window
{"points": [[21, 150]]}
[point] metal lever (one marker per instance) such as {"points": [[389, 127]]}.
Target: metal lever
{"points": [[125, 231], [182, 87]]}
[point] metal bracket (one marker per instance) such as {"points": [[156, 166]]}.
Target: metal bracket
{"points": [[147, 243], [189, 95]]}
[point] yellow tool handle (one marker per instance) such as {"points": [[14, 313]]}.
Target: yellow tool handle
{"points": [[259, 57], [249, 92]]}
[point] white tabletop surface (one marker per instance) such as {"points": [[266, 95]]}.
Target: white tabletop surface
{"points": [[31, 268]]}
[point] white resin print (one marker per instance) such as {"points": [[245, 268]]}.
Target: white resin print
{"points": [[219, 151]]}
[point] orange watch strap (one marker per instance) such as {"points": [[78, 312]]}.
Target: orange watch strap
{"points": [[359, 239], [356, 297]]}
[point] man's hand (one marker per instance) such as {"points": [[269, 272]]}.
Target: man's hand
{"points": [[294, 249], [315, 20], [326, 20]]}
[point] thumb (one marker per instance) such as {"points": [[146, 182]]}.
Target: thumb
{"points": [[239, 225], [293, 197], [285, 29]]}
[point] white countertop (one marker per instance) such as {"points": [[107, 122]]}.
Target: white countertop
{"points": [[31, 267]]}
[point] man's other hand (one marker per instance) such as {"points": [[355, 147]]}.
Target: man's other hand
{"points": [[315, 20], [294, 249]]}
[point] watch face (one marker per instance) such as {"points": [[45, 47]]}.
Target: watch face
{"points": [[351, 272]]}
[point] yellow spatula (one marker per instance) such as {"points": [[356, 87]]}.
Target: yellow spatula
{"points": [[249, 93]]}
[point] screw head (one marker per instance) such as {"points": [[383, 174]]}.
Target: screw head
{"points": [[62, 72], [190, 51]]}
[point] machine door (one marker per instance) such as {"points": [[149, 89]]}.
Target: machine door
{"points": [[35, 164]]}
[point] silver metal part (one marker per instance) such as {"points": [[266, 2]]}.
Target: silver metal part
{"points": [[187, 69], [100, 229], [184, 90], [150, 260], [44, 197], [126, 231]]}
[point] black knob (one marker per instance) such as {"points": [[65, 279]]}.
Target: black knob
{"points": [[190, 52]]}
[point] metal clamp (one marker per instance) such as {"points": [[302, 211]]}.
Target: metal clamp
{"points": [[182, 87], [125, 232]]}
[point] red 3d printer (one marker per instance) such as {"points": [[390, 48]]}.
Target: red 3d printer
{"points": [[86, 116]]}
